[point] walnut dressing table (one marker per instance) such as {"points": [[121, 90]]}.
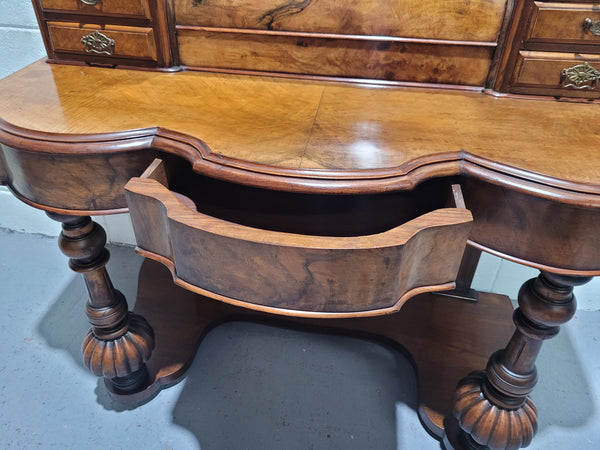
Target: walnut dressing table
{"points": [[327, 164]]}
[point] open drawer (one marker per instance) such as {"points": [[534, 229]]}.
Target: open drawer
{"points": [[297, 254]]}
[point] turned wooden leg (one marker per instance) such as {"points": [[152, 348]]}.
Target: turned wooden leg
{"points": [[119, 342], [493, 407]]}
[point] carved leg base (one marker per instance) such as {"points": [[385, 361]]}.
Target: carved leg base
{"points": [[478, 416], [119, 342], [120, 360], [493, 407]]}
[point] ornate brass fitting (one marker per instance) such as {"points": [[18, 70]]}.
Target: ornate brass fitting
{"points": [[97, 42], [581, 76], [591, 26]]}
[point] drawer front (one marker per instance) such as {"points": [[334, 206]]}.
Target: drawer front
{"points": [[131, 8], [565, 23], [280, 271], [353, 58], [557, 74], [107, 42], [476, 20]]}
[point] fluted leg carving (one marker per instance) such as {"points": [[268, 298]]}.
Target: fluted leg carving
{"points": [[493, 407], [119, 342]]}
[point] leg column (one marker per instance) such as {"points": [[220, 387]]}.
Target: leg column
{"points": [[493, 407], [119, 342]]}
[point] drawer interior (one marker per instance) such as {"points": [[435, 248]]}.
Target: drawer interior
{"points": [[309, 214]]}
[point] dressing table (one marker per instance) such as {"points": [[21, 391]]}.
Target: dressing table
{"points": [[323, 164]]}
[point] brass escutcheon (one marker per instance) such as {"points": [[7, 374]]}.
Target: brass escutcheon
{"points": [[591, 26], [97, 42], [90, 2], [581, 76]]}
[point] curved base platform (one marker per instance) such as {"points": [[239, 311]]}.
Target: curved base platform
{"points": [[445, 338]]}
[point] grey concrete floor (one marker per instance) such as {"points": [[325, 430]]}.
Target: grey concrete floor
{"points": [[251, 386]]}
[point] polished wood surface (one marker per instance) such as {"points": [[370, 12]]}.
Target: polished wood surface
{"points": [[349, 131], [455, 19]]}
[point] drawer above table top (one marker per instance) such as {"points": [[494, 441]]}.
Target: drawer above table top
{"points": [[564, 23], [106, 8], [110, 41]]}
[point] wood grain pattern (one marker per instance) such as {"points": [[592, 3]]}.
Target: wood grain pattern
{"points": [[138, 8], [304, 273], [394, 61], [352, 133], [87, 182], [452, 19]]}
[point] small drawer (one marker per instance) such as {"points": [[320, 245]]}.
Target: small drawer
{"points": [[296, 254], [113, 8], [105, 42], [557, 74], [569, 23]]}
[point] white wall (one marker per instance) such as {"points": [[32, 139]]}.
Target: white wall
{"points": [[21, 44]]}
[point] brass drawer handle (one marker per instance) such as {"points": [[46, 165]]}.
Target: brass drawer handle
{"points": [[90, 2], [97, 42], [591, 26], [581, 76]]}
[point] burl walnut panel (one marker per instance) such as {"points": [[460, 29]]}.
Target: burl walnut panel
{"points": [[372, 59], [77, 182], [526, 228], [478, 20]]}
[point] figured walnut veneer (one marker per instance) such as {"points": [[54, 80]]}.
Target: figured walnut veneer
{"points": [[478, 20]]}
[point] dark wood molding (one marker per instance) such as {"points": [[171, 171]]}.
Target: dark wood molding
{"points": [[204, 161]]}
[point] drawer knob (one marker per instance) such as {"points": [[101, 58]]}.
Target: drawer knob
{"points": [[90, 2], [99, 43], [581, 76], [591, 26]]}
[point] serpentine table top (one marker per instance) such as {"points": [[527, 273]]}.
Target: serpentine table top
{"points": [[309, 136]]}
